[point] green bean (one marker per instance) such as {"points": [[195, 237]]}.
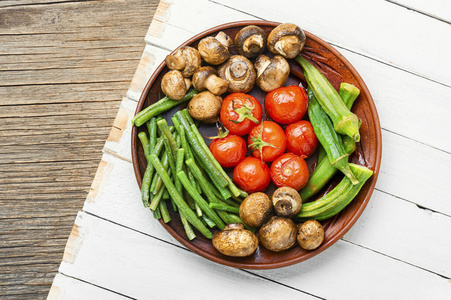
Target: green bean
{"points": [[216, 164], [157, 198], [231, 185], [197, 148], [158, 180], [183, 207], [164, 211], [199, 200], [152, 129], [237, 219], [178, 168], [148, 174], [208, 221], [223, 191], [203, 182], [188, 230], [145, 143], [225, 207], [170, 154], [156, 213], [166, 197], [164, 128], [160, 107], [230, 202]]}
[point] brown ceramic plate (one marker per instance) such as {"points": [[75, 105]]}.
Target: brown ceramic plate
{"points": [[337, 69]]}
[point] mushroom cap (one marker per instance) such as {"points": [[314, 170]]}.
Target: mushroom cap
{"points": [[278, 234], [239, 72], [205, 107], [310, 234], [251, 41], [271, 73], [186, 59], [287, 40], [235, 241], [174, 85], [287, 201], [207, 78], [214, 50], [256, 209]]}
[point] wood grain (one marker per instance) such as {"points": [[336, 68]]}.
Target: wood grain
{"points": [[64, 68]]}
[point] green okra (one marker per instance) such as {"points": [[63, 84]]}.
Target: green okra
{"points": [[344, 121]]}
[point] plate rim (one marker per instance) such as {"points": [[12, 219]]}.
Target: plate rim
{"points": [[339, 233]]}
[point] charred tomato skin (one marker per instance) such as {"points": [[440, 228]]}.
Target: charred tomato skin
{"points": [[252, 175], [229, 151], [230, 113], [289, 170], [301, 138], [287, 104]]}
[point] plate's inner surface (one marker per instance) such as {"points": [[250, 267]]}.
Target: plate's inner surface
{"points": [[366, 154]]}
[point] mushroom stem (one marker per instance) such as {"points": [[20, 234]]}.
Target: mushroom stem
{"points": [[216, 85], [224, 39], [253, 44]]}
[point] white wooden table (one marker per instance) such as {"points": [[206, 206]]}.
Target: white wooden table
{"points": [[400, 248]]}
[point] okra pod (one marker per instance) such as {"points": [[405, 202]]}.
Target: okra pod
{"points": [[328, 137], [324, 171], [337, 199], [344, 121]]}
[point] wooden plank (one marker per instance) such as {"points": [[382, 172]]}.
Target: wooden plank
{"points": [[437, 9], [154, 263], [66, 288], [117, 201], [122, 266], [361, 26], [64, 68]]}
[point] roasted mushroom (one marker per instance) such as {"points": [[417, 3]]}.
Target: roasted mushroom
{"points": [[206, 78], [205, 107], [287, 201], [278, 234], [287, 40], [215, 50], [251, 41], [234, 240], [272, 73], [174, 85], [310, 235], [186, 59], [239, 72], [256, 209]]}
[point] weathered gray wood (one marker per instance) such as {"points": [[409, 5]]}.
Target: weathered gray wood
{"points": [[64, 68]]}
